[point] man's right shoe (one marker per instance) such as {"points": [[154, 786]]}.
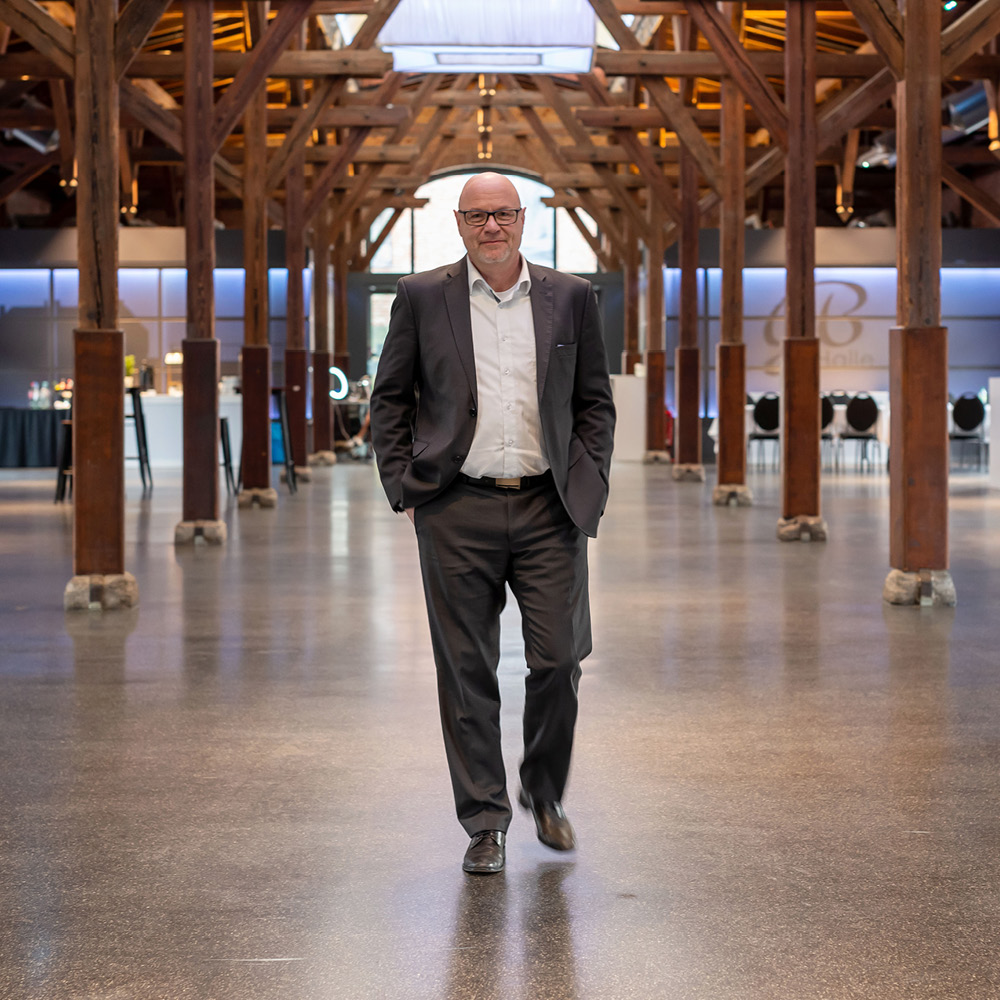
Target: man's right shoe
{"points": [[553, 828], [486, 854]]}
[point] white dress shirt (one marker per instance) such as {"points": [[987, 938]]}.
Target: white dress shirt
{"points": [[508, 438]]}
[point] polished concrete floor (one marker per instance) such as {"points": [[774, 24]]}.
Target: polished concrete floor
{"points": [[237, 791]]}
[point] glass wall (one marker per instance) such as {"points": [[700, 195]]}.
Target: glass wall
{"points": [[38, 313]]}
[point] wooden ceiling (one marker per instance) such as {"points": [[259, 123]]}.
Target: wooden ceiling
{"points": [[606, 142]]}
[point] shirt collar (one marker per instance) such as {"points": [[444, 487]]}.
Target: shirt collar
{"points": [[521, 287]]}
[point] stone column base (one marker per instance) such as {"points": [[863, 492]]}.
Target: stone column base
{"points": [[303, 474], [267, 497], [655, 456], [803, 528], [732, 495], [688, 473], [101, 593], [322, 458], [926, 587], [200, 533]]}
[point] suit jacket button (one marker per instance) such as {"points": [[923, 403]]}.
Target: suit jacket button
{"points": [[458, 459], [472, 412]]}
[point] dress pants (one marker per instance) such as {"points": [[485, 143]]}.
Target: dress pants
{"points": [[474, 540]]}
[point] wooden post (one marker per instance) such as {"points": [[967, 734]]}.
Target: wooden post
{"points": [[800, 406], [918, 345], [656, 359], [322, 407], [99, 577], [255, 362], [687, 370], [341, 357], [730, 363], [631, 356], [201, 350], [296, 352]]}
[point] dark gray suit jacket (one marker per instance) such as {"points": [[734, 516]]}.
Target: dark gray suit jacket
{"points": [[424, 403]]}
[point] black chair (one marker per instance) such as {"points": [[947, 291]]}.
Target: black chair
{"points": [[227, 455], [281, 402], [967, 416], [862, 415], [766, 418], [138, 418], [64, 473], [826, 435]]}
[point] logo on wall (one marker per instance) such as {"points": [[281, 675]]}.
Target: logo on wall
{"points": [[839, 326]]}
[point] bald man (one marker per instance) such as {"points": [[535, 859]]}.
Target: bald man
{"points": [[492, 422]]}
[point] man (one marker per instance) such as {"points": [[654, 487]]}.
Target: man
{"points": [[492, 423]]}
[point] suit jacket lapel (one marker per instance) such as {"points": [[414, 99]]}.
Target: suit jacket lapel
{"points": [[456, 297], [541, 315]]}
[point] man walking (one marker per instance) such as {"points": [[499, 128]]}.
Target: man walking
{"points": [[492, 423]]}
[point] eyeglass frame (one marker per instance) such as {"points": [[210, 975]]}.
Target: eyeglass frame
{"points": [[473, 211]]}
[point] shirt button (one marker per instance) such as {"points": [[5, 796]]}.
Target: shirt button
{"points": [[506, 371], [510, 441]]}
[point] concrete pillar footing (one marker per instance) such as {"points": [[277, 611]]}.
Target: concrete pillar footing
{"points": [[732, 495], [200, 533], [652, 457], [267, 497], [689, 473], [925, 587], [101, 592], [322, 458], [802, 528], [303, 474]]}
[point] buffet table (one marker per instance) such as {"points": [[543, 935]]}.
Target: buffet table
{"points": [[29, 438]]}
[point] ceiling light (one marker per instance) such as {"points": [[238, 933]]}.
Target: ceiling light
{"points": [[480, 36]]}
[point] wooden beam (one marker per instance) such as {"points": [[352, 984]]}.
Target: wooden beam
{"points": [[324, 92], [972, 193], [64, 125], [753, 83], [252, 74], [883, 24], [40, 162], [41, 31], [591, 239], [663, 97], [345, 116], [659, 186], [968, 33], [135, 23]]}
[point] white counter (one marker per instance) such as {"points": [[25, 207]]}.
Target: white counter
{"points": [[165, 428]]}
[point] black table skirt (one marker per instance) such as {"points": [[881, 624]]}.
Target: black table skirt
{"points": [[30, 438]]}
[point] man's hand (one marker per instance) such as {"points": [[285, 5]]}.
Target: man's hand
{"points": [[409, 514]]}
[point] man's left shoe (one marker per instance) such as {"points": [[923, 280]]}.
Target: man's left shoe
{"points": [[553, 828]]}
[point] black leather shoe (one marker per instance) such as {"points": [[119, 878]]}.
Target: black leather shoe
{"points": [[486, 854], [553, 828]]}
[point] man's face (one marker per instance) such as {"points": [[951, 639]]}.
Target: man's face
{"points": [[491, 244]]}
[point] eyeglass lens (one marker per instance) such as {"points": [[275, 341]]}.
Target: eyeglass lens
{"points": [[504, 216]]}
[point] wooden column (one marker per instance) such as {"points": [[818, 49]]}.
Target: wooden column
{"points": [[99, 577], [918, 345], [255, 362], [322, 357], [730, 362], [296, 353], [656, 358], [201, 349], [800, 407], [341, 357], [687, 363], [631, 355]]}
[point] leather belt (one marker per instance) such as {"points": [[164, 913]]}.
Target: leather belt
{"points": [[519, 483]]}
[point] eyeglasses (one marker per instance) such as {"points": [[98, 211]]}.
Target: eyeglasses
{"points": [[504, 216]]}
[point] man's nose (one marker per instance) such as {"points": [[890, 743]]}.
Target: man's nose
{"points": [[492, 226]]}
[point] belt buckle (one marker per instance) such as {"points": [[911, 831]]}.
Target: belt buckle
{"points": [[508, 484]]}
